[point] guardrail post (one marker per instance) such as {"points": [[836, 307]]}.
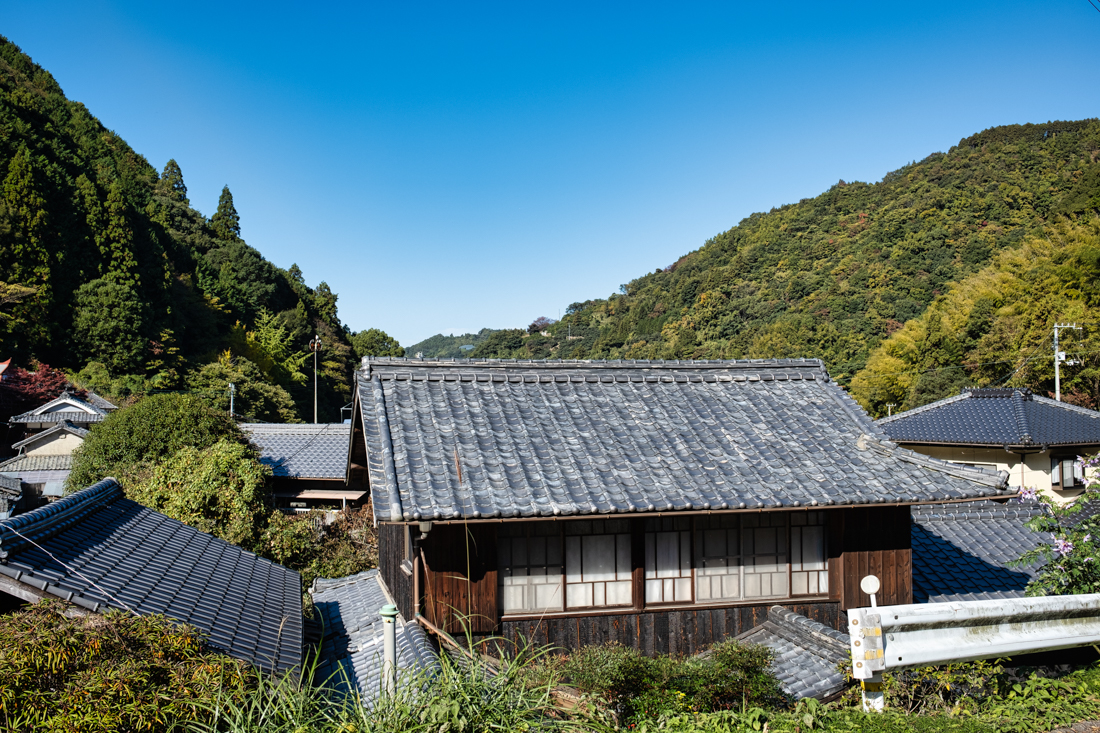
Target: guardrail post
{"points": [[874, 701], [389, 648]]}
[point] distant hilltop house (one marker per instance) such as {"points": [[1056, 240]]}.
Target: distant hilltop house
{"points": [[664, 505], [51, 433], [1035, 439], [308, 463]]}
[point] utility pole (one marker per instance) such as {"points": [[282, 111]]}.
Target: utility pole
{"points": [[890, 408], [315, 346], [232, 392], [1059, 357]]}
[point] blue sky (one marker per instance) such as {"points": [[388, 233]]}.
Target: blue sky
{"points": [[451, 166]]}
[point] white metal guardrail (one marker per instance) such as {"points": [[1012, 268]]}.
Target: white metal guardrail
{"points": [[889, 638]]}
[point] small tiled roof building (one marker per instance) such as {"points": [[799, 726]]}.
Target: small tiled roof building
{"points": [[308, 463], [1034, 439], [664, 505]]}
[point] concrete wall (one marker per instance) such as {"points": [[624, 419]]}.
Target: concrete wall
{"points": [[58, 444], [1029, 470]]}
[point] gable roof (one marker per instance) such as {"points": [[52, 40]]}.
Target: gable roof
{"points": [[996, 418], [961, 551], [807, 653], [99, 550], [66, 407], [544, 439], [62, 427], [351, 648], [312, 450]]}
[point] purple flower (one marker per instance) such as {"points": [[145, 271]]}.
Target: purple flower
{"points": [[1088, 538], [1029, 493], [1061, 546]]}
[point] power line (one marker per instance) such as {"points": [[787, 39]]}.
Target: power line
{"points": [[1095, 7]]}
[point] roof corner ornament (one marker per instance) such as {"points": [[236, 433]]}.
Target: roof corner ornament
{"points": [[862, 441]]}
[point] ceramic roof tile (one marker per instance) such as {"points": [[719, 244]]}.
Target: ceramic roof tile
{"points": [[806, 653], [110, 552], [568, 438], [351, 648], [302, 450], [995, 417], [22, 463], [961, 551]]}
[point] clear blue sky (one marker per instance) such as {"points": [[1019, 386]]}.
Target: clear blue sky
{"points": [[451, 166]]}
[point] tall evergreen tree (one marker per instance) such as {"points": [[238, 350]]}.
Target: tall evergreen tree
{"points": [[172, 186], [226, 221]]}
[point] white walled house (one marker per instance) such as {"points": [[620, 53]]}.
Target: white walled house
{"points": [[1035, 439]]}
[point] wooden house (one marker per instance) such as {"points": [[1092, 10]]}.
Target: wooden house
{"points": [[664, 505], [308, 464]]}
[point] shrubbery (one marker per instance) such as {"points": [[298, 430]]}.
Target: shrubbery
{"points": [[732, 676], [174, 454], [112, 672], [153, 429]]}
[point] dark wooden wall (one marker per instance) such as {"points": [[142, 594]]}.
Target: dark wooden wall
{"points": [[870, 541], [391, 553], [460, 577], [688, 631]]}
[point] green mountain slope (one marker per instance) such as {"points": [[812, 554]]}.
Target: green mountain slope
{"points": [[994, 328], [833, 276], [445, 347], [130, 279]]}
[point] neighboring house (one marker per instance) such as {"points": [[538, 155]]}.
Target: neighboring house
{"points": [[308, 462], [67, 407], [1035, 439], [44, 461], [99, 551], [351, 652], [664, 505]]}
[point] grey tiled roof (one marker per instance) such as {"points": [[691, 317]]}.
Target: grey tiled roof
{"points": [[806, 653], [351, 649], [567, 438], [961, 551], [73, 416], [97, 549], [11, 486], [23, 463], [995, 417], [302, 451], [98, 402], [94, 412]]}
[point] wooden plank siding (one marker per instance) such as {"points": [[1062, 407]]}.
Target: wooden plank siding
{"points": [[460, 577], [391, 553], [871, 541], [682, 631]]}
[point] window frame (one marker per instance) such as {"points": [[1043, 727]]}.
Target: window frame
{"points": [[1057, 463], [638, 577]]}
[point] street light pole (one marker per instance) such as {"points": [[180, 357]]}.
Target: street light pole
{"points": [[1059, 357], [315, 346]]}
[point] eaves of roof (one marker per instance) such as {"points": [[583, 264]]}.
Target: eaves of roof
{"points": [[61, 427]]}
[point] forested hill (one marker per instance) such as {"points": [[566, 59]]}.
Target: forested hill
{"points": [[834, 275], [107, 271]]}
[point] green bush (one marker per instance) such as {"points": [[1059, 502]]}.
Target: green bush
{"points": [[733, 676], [152, 429], [220, 490], [112, 672]]}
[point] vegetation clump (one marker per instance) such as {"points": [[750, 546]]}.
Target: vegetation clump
{"points": [[113, 672]]}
